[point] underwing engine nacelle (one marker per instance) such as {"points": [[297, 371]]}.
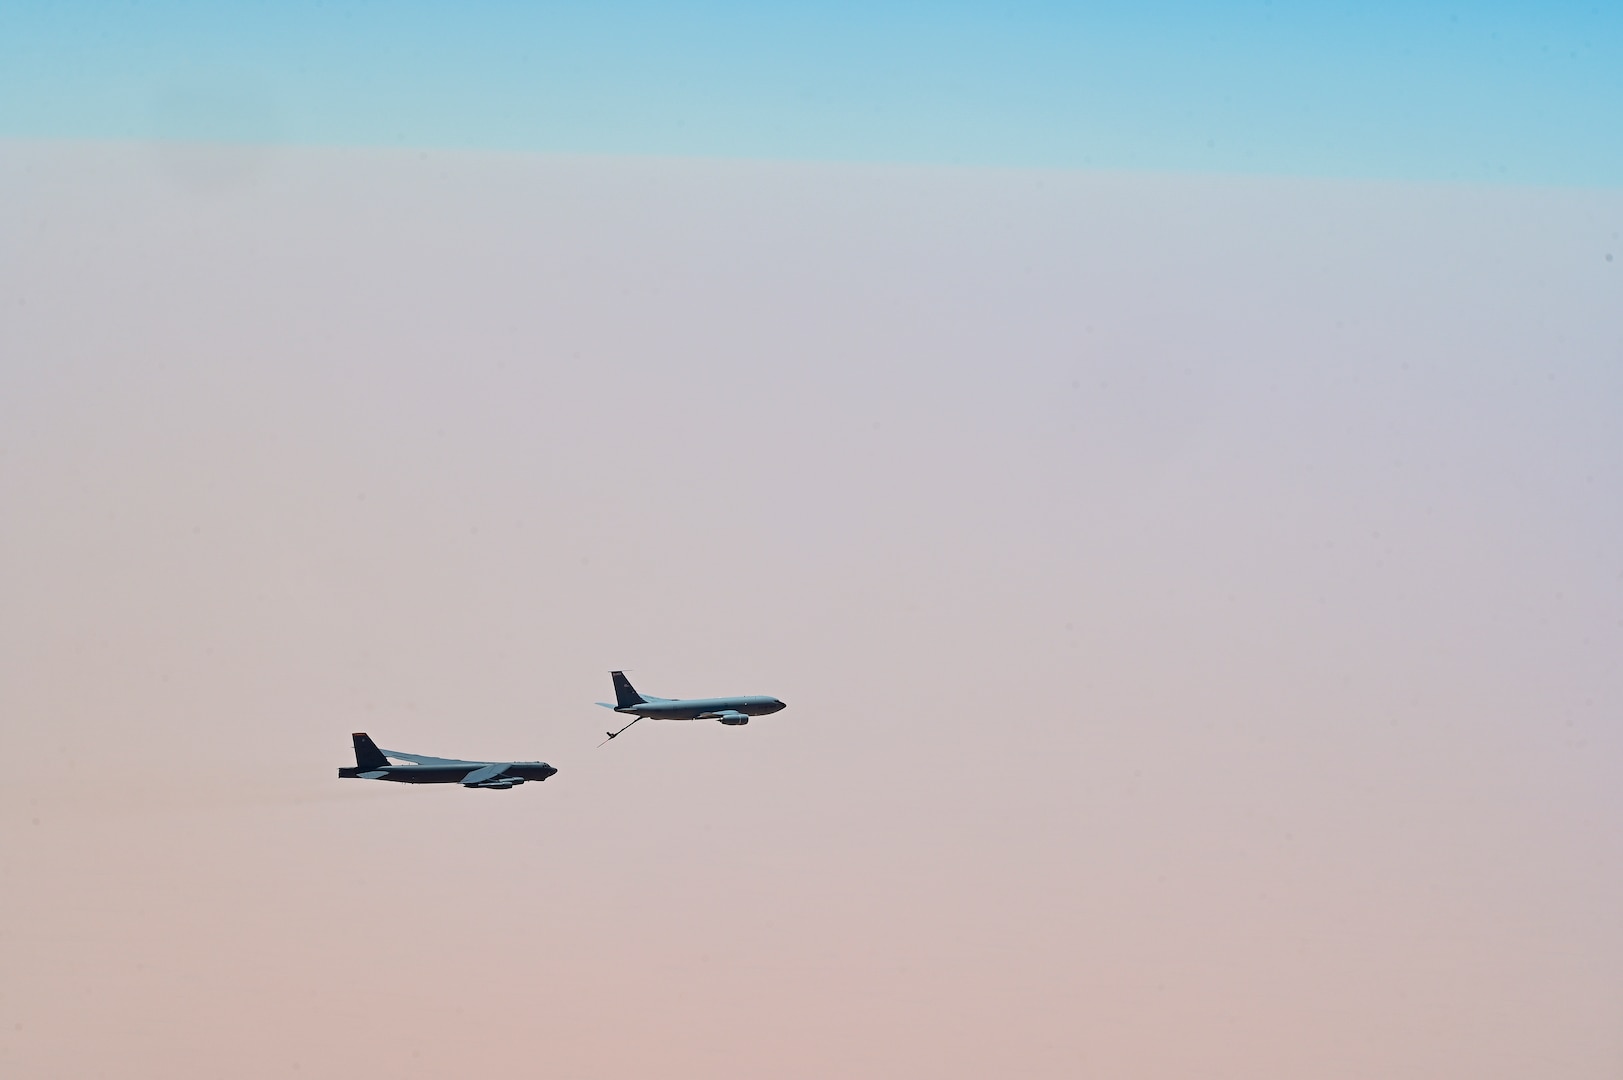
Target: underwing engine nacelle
{"points": [[733, 719]]}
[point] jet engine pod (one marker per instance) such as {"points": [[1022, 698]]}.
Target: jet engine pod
{"points": [[733, 719]]}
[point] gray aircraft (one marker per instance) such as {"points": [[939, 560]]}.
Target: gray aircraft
{"points": [[374, 764], [732, 711]]}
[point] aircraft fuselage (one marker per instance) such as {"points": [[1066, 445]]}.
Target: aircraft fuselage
{"points": [[446, 774], [701, 708]]}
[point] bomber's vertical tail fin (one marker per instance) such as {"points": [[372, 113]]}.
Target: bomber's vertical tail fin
{"points": [[367, 755], [624, 693]]}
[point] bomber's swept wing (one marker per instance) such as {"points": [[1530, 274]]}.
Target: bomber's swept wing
{"points": [[480, 776], [421, 759]]}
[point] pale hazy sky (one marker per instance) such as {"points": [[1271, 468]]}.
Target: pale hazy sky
{"points": [[1199, 601]]}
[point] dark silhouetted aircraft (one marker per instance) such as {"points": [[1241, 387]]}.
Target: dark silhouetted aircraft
{"points": [[374, 764], [732, 711]]}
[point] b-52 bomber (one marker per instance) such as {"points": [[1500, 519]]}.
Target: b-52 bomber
{"points": [[732, 711], [374, 764]]}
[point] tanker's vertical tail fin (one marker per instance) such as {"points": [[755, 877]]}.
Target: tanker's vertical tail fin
{"points": [[625, 695]]}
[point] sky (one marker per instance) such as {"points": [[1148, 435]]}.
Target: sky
{"points": [[1494, 92], [1196, 584]]}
